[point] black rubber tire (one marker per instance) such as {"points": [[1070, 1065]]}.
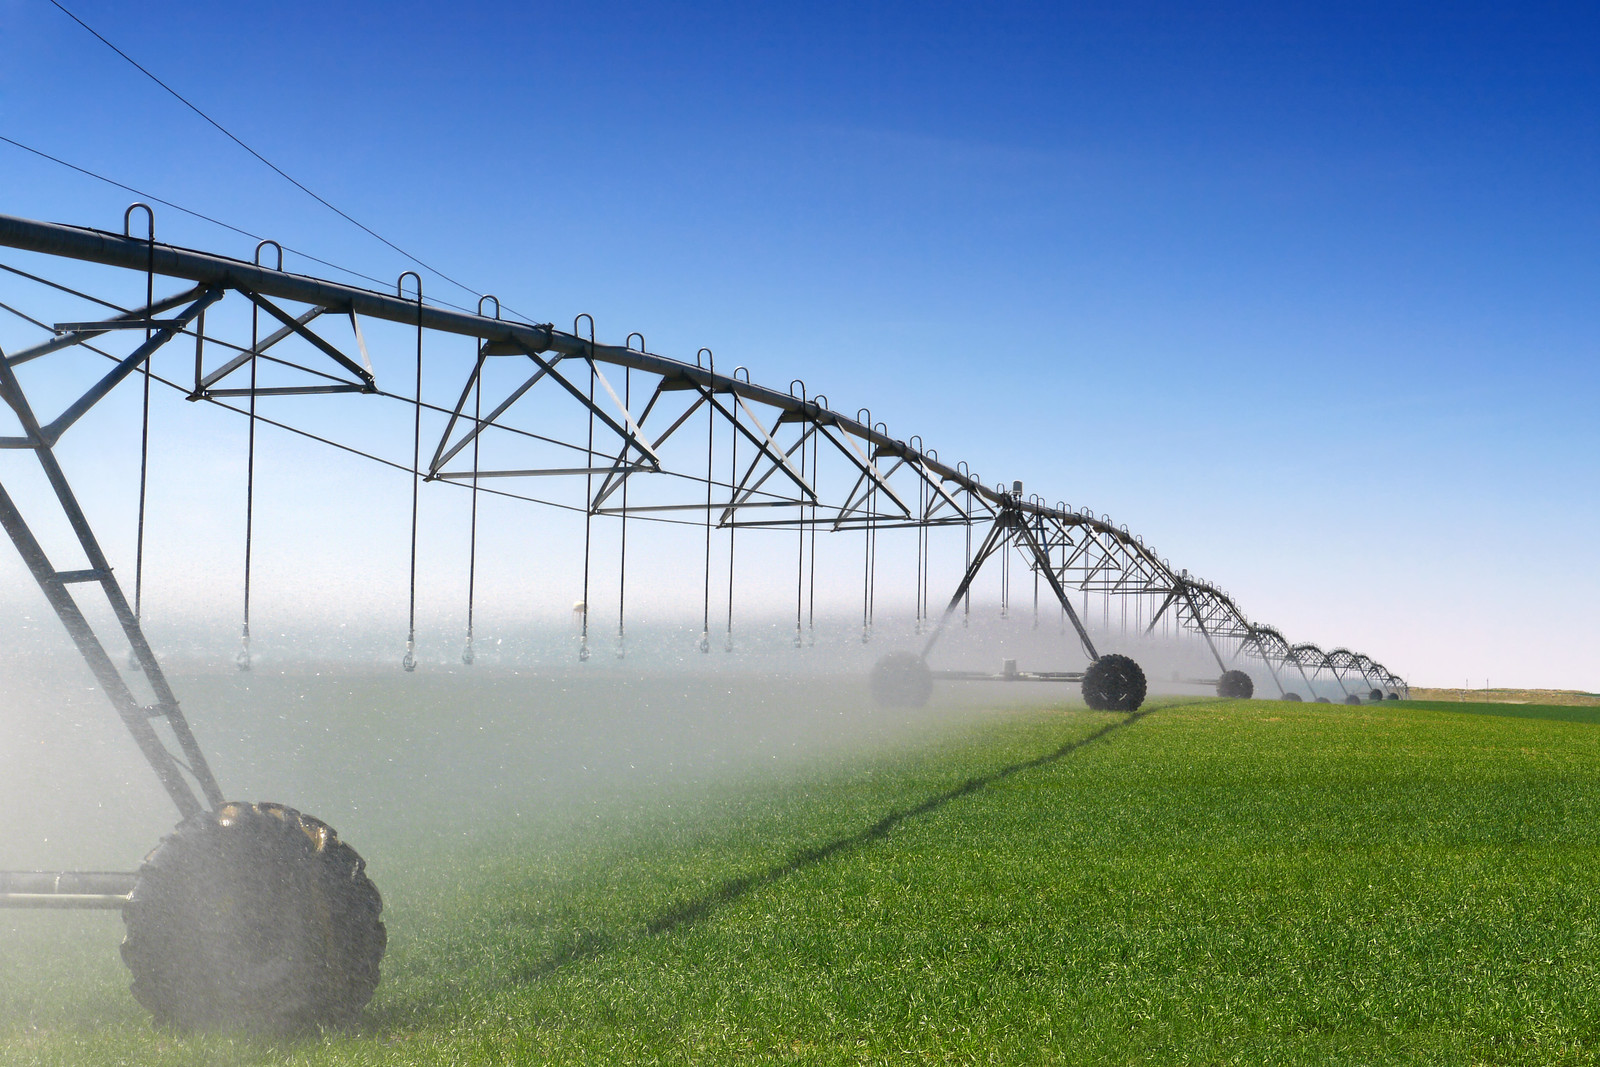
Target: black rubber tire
{"points": [[1292, 696], [1114, 683], [1235, 685], [253, 917], [1375, 696], [901, 680], [1324, 700], [1392, 696], [1352, 699]]}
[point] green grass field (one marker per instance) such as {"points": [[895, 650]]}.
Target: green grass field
{"points": [[1204, 882]]}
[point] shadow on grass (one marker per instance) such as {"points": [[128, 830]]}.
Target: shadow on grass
{"points": [[589, 943]]}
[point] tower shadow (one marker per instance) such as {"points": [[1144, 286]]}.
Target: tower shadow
{"points": [[686, 913]]}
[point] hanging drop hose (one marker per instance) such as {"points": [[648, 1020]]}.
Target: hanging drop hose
{"points": [[816, 488], [866, 568], [966, 599], [1038, 525], [410, 660], [1005, 575], [588, 497], [872, 585], [869, 565], [711, 430], [622, 557], [144, 478], [733, 499], [243, 659], [472, 542], [800, 546], [467, 655], [144, 422], [922, 515], [927, 553]]}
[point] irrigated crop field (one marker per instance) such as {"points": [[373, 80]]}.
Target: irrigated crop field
{"points": [[1203, 882]]}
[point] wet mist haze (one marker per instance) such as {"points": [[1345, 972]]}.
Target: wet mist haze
{"points": [[329, 723]]}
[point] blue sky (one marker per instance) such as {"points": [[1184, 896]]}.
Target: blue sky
{"points": [[1304, 294]]}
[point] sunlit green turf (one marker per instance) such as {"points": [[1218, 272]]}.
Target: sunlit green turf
{"points": [[1243, 882]]}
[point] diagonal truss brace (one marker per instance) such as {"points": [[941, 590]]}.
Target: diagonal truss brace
{"points": [[1182, 590], [1261, 651], [628, 430], [47, 435], [297, 326], [1010, 525]]}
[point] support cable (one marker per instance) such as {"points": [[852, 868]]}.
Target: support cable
{"points": [[263, 159], [141, 194], [361, 454]]}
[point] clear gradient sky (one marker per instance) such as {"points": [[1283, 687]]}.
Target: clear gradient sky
{"points": [[1305, 294]]}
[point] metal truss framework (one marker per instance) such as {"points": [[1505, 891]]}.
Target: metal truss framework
{"points": [[652, 438]]}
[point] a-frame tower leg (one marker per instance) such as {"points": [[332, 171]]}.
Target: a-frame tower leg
{"points": [[1010, 520], [54, 584]]}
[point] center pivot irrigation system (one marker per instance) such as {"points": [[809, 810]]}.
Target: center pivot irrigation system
{"points": [[255, 915]]}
